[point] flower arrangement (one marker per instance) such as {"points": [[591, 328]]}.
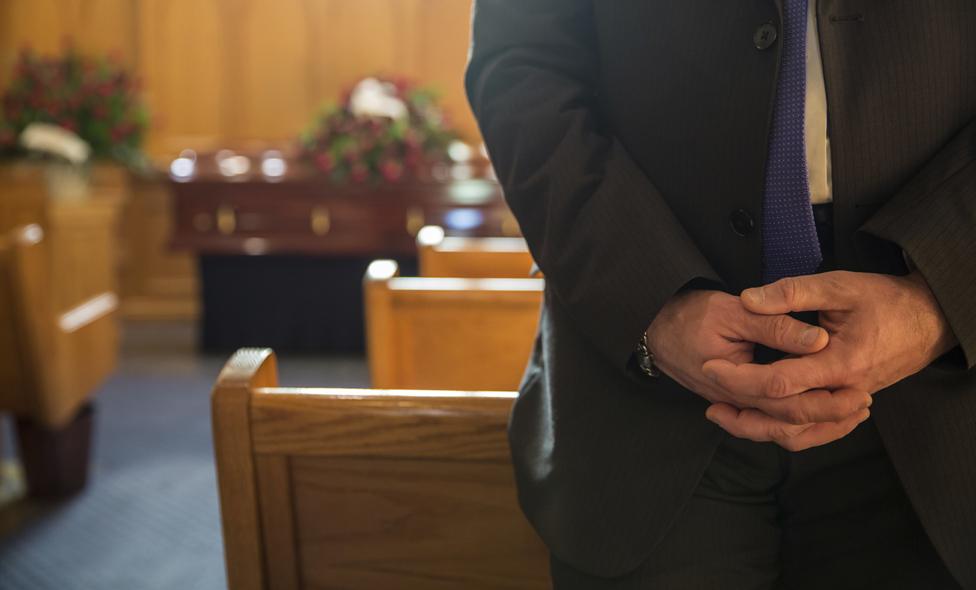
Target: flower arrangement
{"points": [[382, 129], [93, 98]]}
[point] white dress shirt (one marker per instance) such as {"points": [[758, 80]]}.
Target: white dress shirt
{"points": [[815, 125]]}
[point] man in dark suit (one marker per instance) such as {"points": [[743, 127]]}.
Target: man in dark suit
{"points": [[756, 219]]}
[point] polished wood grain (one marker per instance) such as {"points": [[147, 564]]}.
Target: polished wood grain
{"points": [[236, 475], [403, 424], [281, 558], [448, 333], [440, 255], [235, 73], [368, 489], [413, 524]]}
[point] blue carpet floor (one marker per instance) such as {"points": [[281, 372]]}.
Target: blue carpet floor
{"points": [[149, 518]]}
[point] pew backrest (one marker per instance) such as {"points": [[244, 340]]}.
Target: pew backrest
{"points": [[25, 342], [443, 256], [366, 489], [448, 333], [22, 196], [59, 336]]}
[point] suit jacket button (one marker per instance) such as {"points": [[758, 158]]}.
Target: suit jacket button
{"points": [[742, 223], [765, 36]]}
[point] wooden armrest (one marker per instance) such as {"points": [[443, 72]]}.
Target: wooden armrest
{"points": [[88, 312]]}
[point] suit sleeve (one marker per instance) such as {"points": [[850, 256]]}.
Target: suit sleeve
{"points": [[933, 219], [611, 249]]}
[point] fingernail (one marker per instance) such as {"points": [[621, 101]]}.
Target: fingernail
{"points": [[755, 296], [809, 336]]}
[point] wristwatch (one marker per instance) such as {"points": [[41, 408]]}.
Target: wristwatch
{"points": [[645, 358]]}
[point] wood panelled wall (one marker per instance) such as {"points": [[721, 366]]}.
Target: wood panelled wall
{"points": [[229, 72]]}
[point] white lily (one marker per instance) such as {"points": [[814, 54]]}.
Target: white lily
{"points": [[56, 141], [373, 98]]}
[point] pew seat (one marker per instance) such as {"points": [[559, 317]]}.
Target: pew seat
{"points": [[448, 333], [442, 256], [366, 489]]}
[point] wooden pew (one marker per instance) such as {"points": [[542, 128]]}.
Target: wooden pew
{"points": [[366, 489], [58, 342], [441, 256], [448, 333]]}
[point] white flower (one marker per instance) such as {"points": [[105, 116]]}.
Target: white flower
{"points": [[55, 141], [372, 98]]}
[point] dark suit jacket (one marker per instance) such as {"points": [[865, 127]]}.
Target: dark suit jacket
{"points": [[627, 134]]}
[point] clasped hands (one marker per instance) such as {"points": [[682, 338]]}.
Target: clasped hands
{"points": [[874, 330]]}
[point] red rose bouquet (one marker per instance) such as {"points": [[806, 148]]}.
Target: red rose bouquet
{"points": [[95, 99], [383, 129]]}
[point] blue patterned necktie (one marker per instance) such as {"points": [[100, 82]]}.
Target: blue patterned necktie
{"points": [[790, 244]]}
